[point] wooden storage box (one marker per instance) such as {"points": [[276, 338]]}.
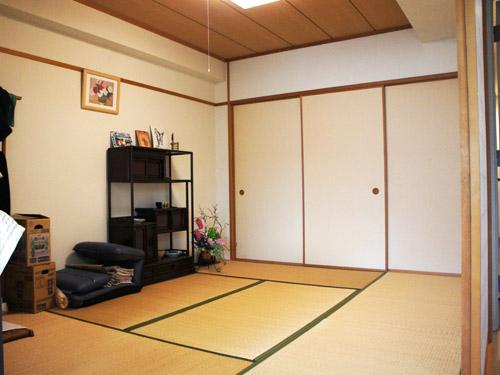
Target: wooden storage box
{"points": [[167, 268], [34, 246], [167, 219], [30, 289], [125, 231], [140, 163]]}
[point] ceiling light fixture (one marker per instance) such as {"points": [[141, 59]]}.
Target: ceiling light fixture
{"points": [[245, 4], [208, 36]]}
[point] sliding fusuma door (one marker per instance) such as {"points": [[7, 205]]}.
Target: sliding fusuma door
{"points": [[344, 179], [423, 137], [268, 181]]}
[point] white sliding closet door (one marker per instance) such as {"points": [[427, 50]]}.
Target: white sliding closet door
{"points": [[343, 164], [423, 145], [268, 181]]}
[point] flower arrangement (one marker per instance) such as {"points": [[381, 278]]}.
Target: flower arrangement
{"points": [[208, 233], [103, 90]]}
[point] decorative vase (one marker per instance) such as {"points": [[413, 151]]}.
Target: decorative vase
{"points": [[206, 257]]}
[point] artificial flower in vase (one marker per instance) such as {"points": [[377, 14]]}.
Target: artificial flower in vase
{"points": [[208, 238]]}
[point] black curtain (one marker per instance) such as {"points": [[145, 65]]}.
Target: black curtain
{"points": [[4, 185]]}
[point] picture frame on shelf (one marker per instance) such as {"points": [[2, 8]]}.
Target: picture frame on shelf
{"points": [[119, 139], [158, 137], [100, 92], [143, 138]]}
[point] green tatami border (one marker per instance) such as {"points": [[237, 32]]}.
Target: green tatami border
{"points": [[149, 337], [261, 358], [190, 307], [289, 282]]}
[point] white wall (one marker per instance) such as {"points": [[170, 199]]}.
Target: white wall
{"points": [[56, 154], [376, 58]]}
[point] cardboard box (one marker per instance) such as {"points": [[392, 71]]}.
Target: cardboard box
{"points": [[34, 245], [30, 289]]}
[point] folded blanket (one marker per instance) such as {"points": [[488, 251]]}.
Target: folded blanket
{"points": [[119, 275]]}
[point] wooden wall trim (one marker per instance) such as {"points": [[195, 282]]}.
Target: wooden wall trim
{"points": [[465, 188], [44, 60], [491, 162], [77, 68], [358, 86], [302, 182], [425, 272], [165, 91], [386, 178], [232, 192], [471, 193]]}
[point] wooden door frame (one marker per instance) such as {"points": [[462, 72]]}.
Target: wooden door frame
{"points": [[471, 150]]}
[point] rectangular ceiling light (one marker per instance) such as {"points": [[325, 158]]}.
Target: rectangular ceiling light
{"points": [[245, 4]]}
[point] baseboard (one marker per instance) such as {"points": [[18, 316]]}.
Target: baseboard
{"points": [[308, 265], [345, 268], [267, 262], [425, 272]]}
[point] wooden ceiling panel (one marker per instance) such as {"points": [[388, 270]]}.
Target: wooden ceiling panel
{"points": [[339, 18], [285, 20], [382, 14], [162, 21], [238, 33], [229, 22]]}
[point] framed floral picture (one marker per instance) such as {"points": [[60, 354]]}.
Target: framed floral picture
{"points": [[100, 92]]}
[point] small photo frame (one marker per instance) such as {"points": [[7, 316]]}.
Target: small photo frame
{"points": [[120, 139], [143, 139], [158, 137], [100, 92]]}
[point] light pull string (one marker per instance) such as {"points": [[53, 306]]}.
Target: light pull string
{"points": [[208, 35]]}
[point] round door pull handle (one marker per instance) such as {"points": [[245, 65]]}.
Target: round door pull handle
{"points": [[242, 192], [375, 191]]}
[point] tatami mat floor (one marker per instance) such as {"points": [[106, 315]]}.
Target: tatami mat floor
{"points": [[403, 324], [67, 346], [248, 323], [296, 274], [157, 300], [399, 324]]}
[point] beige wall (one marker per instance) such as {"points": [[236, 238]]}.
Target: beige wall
{"points": [[25, 37], [56, 154], [375, 58], [81, 22]]}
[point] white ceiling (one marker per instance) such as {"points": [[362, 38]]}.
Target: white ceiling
{"points": [[431, 19]]}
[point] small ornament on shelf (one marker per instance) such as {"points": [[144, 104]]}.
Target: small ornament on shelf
{"points": [[158, 137], [174, 145]]}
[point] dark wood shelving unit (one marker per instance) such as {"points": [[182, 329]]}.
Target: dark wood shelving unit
{"points": [[139, 165]]}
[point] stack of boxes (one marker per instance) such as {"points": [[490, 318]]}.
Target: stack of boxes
{"points": [[30, 276]]}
